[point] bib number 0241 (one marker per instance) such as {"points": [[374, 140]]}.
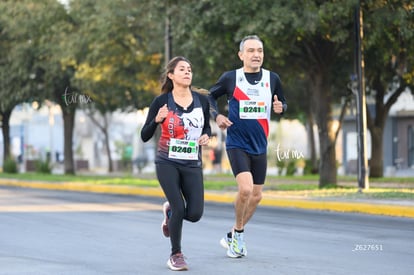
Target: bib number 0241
{"points": [[183, 149], [251, 109]]}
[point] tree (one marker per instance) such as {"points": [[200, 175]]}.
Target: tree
{"points": [[54, 27], [18, 54], [113, 62], [389, 65], [313, 36], [115, 58]]}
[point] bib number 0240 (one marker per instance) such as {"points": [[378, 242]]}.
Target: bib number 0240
{"points": [[183, 149]]}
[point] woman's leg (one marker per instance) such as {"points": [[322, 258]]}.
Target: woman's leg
{"points": [[192, 187], [169, 179]]}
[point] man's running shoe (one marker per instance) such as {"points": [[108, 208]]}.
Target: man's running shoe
{"points": [[177, 262], [226, 240], [167, 213], [237, 247]]}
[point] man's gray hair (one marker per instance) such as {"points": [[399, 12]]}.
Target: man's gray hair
{"points": [[249, 37]]}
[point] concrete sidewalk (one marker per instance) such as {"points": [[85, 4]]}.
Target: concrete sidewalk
{"points": [[397, 208]]}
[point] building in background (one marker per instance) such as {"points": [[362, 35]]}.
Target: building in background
{"points": [[398, 140], [37, 133]]}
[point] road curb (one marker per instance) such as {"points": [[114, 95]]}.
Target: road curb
{"points": [[226, 197]]}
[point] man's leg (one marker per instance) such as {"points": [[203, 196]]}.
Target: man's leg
{"points": [[243, 197], [244, 207], [248, 198], [254, 201], [258, 172]]}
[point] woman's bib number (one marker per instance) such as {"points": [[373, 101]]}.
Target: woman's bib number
{"points": [[183, 149]]}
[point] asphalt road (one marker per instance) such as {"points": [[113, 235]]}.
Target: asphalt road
{"points": [[62, 232]]}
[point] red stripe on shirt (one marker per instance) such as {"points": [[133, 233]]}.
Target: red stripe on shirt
{"points": [[240, 95]]}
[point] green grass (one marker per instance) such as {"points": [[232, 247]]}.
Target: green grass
{"points": [[346, 179], [386, 194], [294, 187], [50, 177], [95, 179], [229, 177], [303, 186], [350, 193]]}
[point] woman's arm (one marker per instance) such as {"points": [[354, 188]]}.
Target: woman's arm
{"points": [[150, 125]]}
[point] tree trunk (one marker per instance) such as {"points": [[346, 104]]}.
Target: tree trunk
{"points": [[311, 134], [108, 149], [68, 126], [376, 125], [376, 163], [104, 128], [322, 98], [312, 144], [68, 113], [327, 165], [5, 127]]}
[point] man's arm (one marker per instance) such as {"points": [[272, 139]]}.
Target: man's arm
{"points": [[278, 92], [222, 87]]}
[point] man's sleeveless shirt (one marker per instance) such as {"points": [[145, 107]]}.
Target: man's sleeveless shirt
{"points": [[250, 134]]}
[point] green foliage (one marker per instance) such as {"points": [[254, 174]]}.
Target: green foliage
{"points": [[309, 169], [291, 167], [111, 53], [388, 52], [10, 166], [125, 151], [43, 166]]}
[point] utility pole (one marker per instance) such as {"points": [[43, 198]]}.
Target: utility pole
{"points": [[361, 102]]}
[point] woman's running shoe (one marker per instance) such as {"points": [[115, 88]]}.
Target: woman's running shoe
{"points": [[166, 209], [177, 262]]}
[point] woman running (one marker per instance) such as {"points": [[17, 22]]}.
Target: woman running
{"points": [[183, 116]]}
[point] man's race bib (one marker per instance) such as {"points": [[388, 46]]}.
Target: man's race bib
{"points": [[251, 109], [183, 149]]}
